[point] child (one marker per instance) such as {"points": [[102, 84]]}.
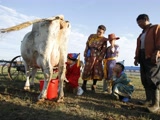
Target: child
{"points": [[122, 88], [110, 61], [73, 74]]}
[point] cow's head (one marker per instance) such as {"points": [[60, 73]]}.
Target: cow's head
{"points": [[53, 26]]}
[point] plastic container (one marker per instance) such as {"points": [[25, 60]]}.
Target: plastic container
{"points": [[52, 88]]}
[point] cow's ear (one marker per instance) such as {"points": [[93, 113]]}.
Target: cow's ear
{"points": [[61, 17], [64, 24], [68, 24], [57, 17]]}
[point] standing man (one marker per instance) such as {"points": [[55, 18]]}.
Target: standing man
{"points": [[147, 54], [94, 54]]}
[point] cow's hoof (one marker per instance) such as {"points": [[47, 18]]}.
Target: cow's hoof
{"points": [[60, 100], [26, 87], [41, 97], [41, 100]]}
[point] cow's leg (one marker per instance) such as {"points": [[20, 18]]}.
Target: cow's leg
{"points": [[61, 77], [27, 84], [62, 70], [43, 94], [47, 71], [34, 71]]}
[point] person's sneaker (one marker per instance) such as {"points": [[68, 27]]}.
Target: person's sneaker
{"points": [[125, 99], [107, 92], [80, 91], [115, 96]]}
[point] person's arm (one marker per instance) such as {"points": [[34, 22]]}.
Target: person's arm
{"points": [[87, 46], [74, 75], [103, 50], [121, 79], [157, 44], [136, 58], [157, 37], [112, 49], [117, 50]]}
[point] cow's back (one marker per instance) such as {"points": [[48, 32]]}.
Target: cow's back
{"points": [[41, 43]]}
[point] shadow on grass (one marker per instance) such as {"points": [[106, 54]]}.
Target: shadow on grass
{"points": [[10, 111], [96, 103], [106, 104], [15, 89]]}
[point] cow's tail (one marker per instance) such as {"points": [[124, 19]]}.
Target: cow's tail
{"points": [[28, 23], [20, 26]]}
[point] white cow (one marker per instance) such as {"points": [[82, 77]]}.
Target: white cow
{"points": [[45, 47]]}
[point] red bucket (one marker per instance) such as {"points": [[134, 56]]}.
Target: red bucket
{"points": [[52, 88]]}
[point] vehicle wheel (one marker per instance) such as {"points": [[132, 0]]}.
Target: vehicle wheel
{"points": [[16, 69], [4, 70]]}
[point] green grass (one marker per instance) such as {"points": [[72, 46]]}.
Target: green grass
{"points": [[17, 104]]}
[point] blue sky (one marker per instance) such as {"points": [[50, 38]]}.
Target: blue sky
{"points": [[119, 17]]}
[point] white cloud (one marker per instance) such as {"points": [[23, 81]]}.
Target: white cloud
{"points": [[10, 42], [129, 35], [10, 17], [76, 43], [127, 50]]}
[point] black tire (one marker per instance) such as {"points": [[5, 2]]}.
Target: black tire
{"points": [[4, 70], [16, 70]]}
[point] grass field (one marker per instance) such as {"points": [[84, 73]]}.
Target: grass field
{"points": [[17, 104]]}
